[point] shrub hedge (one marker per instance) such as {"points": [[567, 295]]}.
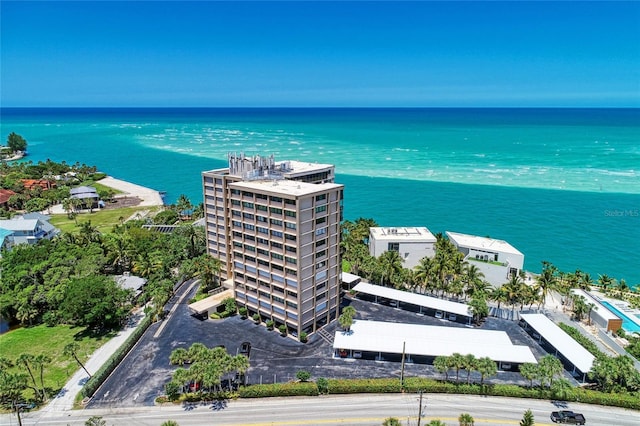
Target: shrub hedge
{"points": [[107, 368], [279, 389], [416, 384], [584, 341]]}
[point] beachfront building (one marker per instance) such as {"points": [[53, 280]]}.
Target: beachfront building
{"points": [[411, 243], [496, 259], [599, 314], [275, 226]]}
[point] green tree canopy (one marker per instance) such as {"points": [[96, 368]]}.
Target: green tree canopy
{"points": [[16, 142]]}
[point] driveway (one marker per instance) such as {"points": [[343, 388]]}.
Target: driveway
{"points": [[140, 378]]}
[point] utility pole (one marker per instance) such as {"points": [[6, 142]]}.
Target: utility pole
{"points": [[420, 409], [402, 366]]}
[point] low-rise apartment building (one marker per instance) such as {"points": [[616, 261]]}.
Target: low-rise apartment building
{"points": [[412, 243]]}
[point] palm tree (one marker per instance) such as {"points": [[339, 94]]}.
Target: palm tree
{"points": [[605, 281], [457, 362], [441, 364], [391, 265], [465, 419], [179, 356], [391, 421], [39, 362], [546, 281], [472, 278], [71, 349], [26, 361], [423, 273], [529, 371], [499, 295], [470, 364], [513, 291], [486, 367], [586, 282], [527, 419]]}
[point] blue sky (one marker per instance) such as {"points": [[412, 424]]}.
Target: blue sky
{"points": [[320, 53]]}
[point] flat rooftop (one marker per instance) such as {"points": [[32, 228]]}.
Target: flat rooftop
{"points": [[430, 340], [482, 243], [294, 168], [403, 233], [284, 187]]}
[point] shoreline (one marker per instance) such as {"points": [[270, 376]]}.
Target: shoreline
{"points": [[150, 197]]}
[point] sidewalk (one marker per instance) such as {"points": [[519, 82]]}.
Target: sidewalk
{"points": [[65, 398]]}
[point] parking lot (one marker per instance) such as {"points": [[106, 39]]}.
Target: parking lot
{"points": [[140, 378]]}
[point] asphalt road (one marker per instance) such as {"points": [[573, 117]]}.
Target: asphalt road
{"points": [[343, 410]]}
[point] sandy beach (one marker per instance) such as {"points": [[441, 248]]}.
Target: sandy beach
{"points": [[149, 197]]}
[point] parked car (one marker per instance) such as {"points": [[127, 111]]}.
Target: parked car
{"points": [[567, 417], [245, 349]]}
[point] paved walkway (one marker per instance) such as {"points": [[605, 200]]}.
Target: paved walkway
{"points": [[65, 398]]}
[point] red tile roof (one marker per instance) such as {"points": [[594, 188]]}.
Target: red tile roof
{"points": [[5, 194]]}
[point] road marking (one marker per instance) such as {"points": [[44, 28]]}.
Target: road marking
{"points": [[173, 309], [378, 420]]}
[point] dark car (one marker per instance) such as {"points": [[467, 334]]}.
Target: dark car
{"points": [[245, 349], [567, 417]]}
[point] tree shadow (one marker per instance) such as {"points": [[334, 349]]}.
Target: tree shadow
{"points": [[95, 334]]}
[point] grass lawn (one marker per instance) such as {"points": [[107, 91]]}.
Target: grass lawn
{"points": [[103, 220], [51, 341]]}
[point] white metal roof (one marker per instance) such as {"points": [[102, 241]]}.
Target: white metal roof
{"points": [[482, 243], [349, 278], [210, 302], [600, 309], [430, 340], [565, 344], [415, 299]]}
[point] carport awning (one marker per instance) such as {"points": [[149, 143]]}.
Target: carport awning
{"points": [[209, 303], [561, 341], [348, 278], [461, 309], [429, 340]]}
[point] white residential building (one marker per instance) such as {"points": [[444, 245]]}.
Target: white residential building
{"points": [[412, 243], [276, 229], [496, 259]]}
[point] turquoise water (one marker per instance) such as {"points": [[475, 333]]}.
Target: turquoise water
{"points": [[561, 185], [627, 323]]}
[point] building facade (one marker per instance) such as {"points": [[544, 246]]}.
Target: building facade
{"points": [[496, 259], [275, 227], [411, 243]]}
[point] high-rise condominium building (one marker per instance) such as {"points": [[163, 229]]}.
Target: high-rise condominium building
{"points": [[276, 229]]}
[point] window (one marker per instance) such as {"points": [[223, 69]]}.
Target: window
{"points": [[247, 204], [277, 222], [291, 260], [249, 227], [275, 210], [289, 213], [321, 253], [235, 213], [292, 305], [262, 230], [321, 220], [263, 251], [247, 194], [321, 197], [292, 272], [290, 225], [321, 209], [290, 202], [235, 192], [393, 247], [277, 256], [291, 249], [235, 202], [276, 245], [261, 219], [249, 248], [290, 237], [276, 199], [321, 231], [278, 234], [261, 208], [262, 240], [320, 243]]}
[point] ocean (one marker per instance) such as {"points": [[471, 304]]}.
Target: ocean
{"points": [[561, 185]]}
